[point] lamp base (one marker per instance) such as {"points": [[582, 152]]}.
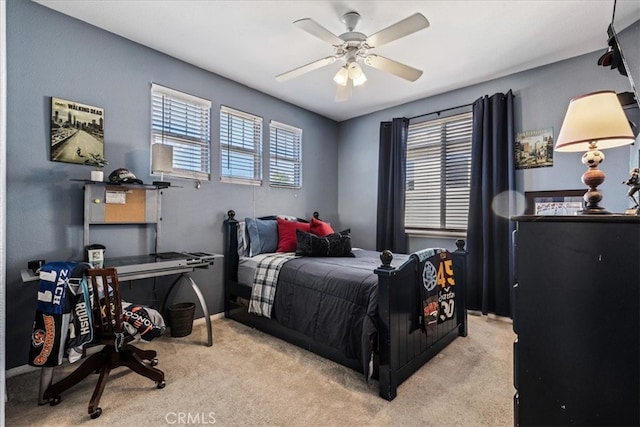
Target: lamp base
{"points": [[594, 211], [592, 203], [593, 177]]}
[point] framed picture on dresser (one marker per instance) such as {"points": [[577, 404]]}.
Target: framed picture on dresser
{"points": [[554, 202]]}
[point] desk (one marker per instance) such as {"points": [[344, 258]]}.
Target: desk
{"points": [[144, 267]]}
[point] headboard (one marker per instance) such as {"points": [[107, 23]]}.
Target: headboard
{"points": [[231, 241]]}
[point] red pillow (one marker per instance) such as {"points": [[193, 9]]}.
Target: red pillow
{"points": [[287, 240], [320, 228]]}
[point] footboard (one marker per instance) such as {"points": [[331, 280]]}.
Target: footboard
{"points": [[403, 348]]}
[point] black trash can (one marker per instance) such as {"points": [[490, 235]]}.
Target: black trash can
{"points": [[181, 318]]}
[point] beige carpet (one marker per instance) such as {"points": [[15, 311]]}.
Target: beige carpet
{"points": [[248, 378]]}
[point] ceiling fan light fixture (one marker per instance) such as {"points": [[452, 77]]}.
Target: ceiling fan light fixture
{"points": [[342, 76], [356, 74], [353, 46], [360, 80]]}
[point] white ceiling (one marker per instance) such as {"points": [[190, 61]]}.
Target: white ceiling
{"points": [[467, 42]]}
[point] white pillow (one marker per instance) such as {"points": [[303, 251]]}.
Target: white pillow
{"points": [[243, 240]]}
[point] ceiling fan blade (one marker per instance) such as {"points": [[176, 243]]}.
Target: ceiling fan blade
{"points": [[393, 67], [305, 68], [315, 29], [344, 92], [400, 29]]}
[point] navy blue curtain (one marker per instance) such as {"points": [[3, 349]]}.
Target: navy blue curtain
{"points": [[492, 185], [391, 186]]}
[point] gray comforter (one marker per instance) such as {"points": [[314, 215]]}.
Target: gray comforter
{"points": [[332, 300]]}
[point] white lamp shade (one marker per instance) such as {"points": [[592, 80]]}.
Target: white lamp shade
{"points": [[356, 74], [341, 76], [161, 158], [595, 117]]}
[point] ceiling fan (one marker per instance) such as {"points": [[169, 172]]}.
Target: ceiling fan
{"points": [[353, 46]]}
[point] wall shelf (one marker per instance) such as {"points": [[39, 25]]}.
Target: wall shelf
{"points": [[107, 203], [131, 185]]}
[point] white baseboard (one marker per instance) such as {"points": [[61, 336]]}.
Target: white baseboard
{"points": [[216, 316], [489, 316], [19, 370]]}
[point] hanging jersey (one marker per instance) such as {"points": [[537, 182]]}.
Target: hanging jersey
{"points": [[59, 289], [436, 290], [80, 324]]}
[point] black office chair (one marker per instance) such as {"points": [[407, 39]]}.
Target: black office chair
{"points": [[108, 331]]}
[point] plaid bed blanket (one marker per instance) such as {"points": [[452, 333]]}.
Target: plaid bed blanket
{"points": [[264, 283]]}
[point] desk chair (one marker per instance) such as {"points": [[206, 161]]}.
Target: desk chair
{"points": [[108, 331]]}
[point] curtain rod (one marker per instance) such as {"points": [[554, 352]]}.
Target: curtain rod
{"points": [[441, 111]]}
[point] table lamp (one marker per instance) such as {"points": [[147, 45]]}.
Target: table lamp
{"points": [[161, 162], [594, 122]]}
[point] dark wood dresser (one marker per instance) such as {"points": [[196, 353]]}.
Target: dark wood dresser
{"points": [[576, 315]]}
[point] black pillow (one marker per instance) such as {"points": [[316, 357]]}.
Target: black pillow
{"points": [[332, 245]]}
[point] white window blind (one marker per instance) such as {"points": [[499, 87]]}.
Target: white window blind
{"points": [[285, 155], [184, 122], [240, 147], [438, 174]]}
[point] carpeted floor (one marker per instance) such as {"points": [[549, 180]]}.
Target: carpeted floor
{"points": [[248, 378]]}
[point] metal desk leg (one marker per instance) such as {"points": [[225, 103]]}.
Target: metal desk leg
{"points": [[205, 310], [46, 377]]}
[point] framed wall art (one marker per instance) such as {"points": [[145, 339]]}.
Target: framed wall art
{"points": [[534, 149], [77, 131], [558, 202]]}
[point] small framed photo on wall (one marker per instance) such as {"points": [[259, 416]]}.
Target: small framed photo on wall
{"points": [[77, 130], [534, 149]]}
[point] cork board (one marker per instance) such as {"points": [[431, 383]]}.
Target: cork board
{"points": [[132, 210]]}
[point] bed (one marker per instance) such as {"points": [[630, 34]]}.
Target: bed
{"points": [[381, 314]]}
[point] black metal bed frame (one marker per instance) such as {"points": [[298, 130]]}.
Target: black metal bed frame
{"points": [[400, 351]]}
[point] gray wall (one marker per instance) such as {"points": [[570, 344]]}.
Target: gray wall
{"points": [[542, 97], [50, 54]]}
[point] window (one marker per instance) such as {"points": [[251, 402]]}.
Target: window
{"points": [[285, 155], [182, 121], [240, 147], [438, 175]]}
